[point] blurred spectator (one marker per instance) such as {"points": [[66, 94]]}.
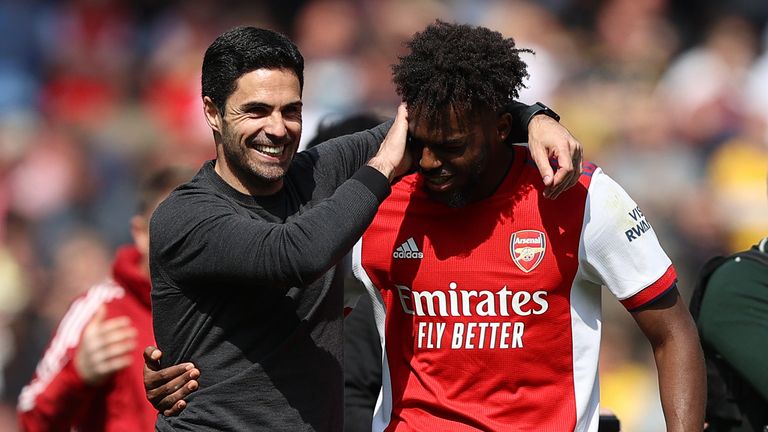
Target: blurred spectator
{"points": [[170, 81], [732, 324], [20, 55], [535, 28], [756, 94], [81, 260], [634, 39], [703, 87], [737, 175], [89, 378], [327, 32]]}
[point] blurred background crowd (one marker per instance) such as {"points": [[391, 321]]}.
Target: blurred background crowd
{"points": [[670, 97]]}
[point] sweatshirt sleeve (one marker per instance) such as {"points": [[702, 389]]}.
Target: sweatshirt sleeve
{"points": [[200, 239], [522, 117], [55, 396], [334, 161]]}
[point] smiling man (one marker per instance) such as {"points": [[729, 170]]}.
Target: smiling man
{"points": [[243, 257], [261, 131]]}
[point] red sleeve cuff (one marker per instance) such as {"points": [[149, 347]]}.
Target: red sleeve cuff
{"points": [[653, 291]]}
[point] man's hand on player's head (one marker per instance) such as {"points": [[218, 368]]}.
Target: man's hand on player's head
{"points": [[167, 388], [393, 159], [549, 139]]}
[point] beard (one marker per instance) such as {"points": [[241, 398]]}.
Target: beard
{"points": [[464, 194], [237, 155], [457, 199]]}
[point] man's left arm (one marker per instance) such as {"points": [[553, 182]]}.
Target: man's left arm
{"points": [[672, 334], [536, 124]]}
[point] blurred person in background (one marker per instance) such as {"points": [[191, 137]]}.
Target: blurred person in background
{"points": [[703, 87], [80, 260], [328, 33], [89, 377], [268, 225], [732, 309]]}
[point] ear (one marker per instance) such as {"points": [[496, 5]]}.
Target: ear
{"points": [[504, 126], [212, 114]]}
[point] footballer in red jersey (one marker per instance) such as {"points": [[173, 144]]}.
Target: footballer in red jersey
{"points": [[487, 294], [493, 311]]}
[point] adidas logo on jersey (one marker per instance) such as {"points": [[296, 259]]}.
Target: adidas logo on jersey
{"points": [[408, 250]]}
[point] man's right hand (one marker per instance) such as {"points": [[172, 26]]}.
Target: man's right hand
{"points": [[392, 159], [167, 388]]}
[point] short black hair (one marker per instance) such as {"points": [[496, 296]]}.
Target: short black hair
{"points": [[461, 67], [344, 126], [242, 50]]}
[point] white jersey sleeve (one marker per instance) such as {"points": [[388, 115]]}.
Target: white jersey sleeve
{"points": [[619, 248]]}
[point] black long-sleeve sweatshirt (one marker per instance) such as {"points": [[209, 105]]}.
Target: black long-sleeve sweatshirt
{"points": [[246, 288]]}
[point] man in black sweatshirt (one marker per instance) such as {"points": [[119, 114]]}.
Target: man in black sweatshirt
{"points": [[243, 256]]}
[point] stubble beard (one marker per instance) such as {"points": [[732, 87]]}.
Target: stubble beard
{"points": [[462, 196], [245, 168]]}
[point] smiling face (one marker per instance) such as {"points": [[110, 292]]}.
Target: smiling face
{"points": [[259, 131], [461, 161]]}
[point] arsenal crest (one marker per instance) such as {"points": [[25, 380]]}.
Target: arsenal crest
{"points": [[527, 248]]}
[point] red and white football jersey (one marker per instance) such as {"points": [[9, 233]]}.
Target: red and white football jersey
{"points": [[493, 310]]}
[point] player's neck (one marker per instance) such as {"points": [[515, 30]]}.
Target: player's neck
{"points": [[498, 165]]}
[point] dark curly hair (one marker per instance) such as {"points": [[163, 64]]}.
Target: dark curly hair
{"points": [[461, 67], [242, 50]]}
